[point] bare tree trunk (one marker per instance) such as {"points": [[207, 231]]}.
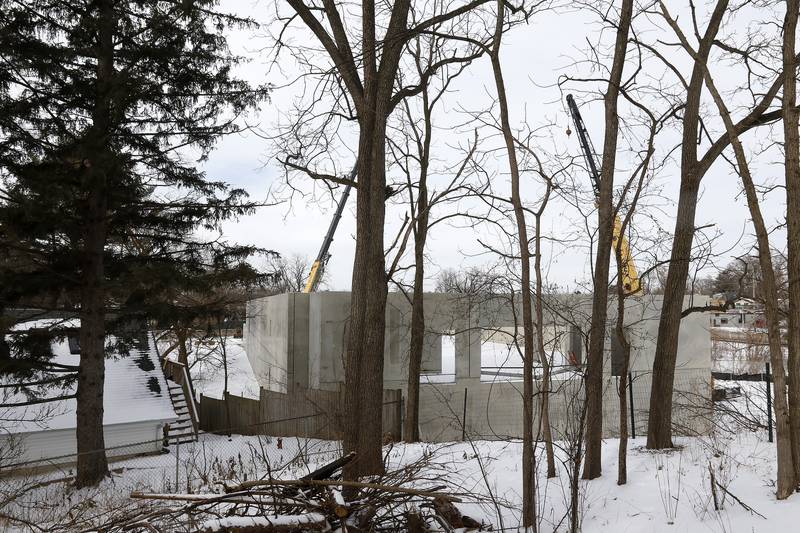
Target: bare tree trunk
{"points": [[622, 452], [183, 352], [92, 465], [547, 431], [223, 352], [575, 443], [597, 334], [786, 471], [791, 149], [411, 430], [528, 449], [659, 423], [364, 355]]}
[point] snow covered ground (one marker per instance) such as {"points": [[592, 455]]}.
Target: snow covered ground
{"points": [[666, 491]]}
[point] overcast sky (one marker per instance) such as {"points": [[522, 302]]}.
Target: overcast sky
{"points": [[535, 56]]}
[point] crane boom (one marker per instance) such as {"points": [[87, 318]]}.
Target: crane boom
{"points": [[589, 153], [322, 257], [629, 274]]}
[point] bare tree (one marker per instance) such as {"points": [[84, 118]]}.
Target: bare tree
{"points": [[363, 66], [791, 149], [420, 205], [623, 257], [545, 391], [597, 332], [786, 478], [528, 450], [694, 166], [291, 273]]}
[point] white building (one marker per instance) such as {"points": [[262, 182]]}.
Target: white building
{"points": [[137, 405], [746, 313]]}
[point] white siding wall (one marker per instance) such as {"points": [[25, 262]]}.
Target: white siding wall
{"points": [[57, 443]]}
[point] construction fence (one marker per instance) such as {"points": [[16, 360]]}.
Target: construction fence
{"points": [[198, 466], [309, 413]]}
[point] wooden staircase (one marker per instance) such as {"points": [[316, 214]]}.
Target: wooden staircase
{"points": [[181, 393], [184, 429]]}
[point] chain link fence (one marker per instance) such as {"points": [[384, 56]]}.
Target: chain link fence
{"points": [[39, 491]]}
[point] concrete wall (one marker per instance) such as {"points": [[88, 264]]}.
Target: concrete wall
{"points": [[327, 329], [494, 409], [276, 337], [298, 340]]}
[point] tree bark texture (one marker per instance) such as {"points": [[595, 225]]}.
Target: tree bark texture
{"points": [[528, 448], [659, 423], [792, 170], [92, 465], [365, 340], [597, 332]]}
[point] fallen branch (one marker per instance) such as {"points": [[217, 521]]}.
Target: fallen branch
{"points": [[740, 502], [431, 493], [237, 498], [263, 524], [329, 469]]}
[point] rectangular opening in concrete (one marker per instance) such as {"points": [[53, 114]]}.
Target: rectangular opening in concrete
{"points": [[502, 347], [501, 358], [447, 362]]}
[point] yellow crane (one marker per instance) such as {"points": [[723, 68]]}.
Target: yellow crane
{"points": [[629, 274], [318, 267]]}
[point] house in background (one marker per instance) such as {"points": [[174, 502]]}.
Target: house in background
{"points": [[138, 402], [745, 313]]}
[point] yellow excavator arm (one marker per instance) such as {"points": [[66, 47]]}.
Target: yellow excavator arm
{"points": [[628, 272], [313, 277]]}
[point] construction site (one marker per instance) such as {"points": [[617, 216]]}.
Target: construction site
{"points": [[371, 267], [472, 366]]}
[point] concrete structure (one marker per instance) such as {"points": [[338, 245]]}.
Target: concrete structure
{"points": [[297, 341]]}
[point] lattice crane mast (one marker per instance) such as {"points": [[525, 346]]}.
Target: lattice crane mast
{"points": [[629, 274]]}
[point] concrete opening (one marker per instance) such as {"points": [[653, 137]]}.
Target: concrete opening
{"points": [[446, 369]]}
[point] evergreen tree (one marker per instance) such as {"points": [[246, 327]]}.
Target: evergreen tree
{"points": [[103, 103]]}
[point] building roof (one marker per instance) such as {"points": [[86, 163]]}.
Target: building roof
{"points": [[135, 389]]}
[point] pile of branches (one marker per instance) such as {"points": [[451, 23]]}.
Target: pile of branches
{"points": [[401, 500]]}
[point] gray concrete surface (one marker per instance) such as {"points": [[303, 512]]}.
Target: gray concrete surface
{"points": [[297, 341]]}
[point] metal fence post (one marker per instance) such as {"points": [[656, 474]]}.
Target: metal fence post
{"points": [[401, 411], [630, 407], [177, 462], [464, 418], [769, 403]]}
